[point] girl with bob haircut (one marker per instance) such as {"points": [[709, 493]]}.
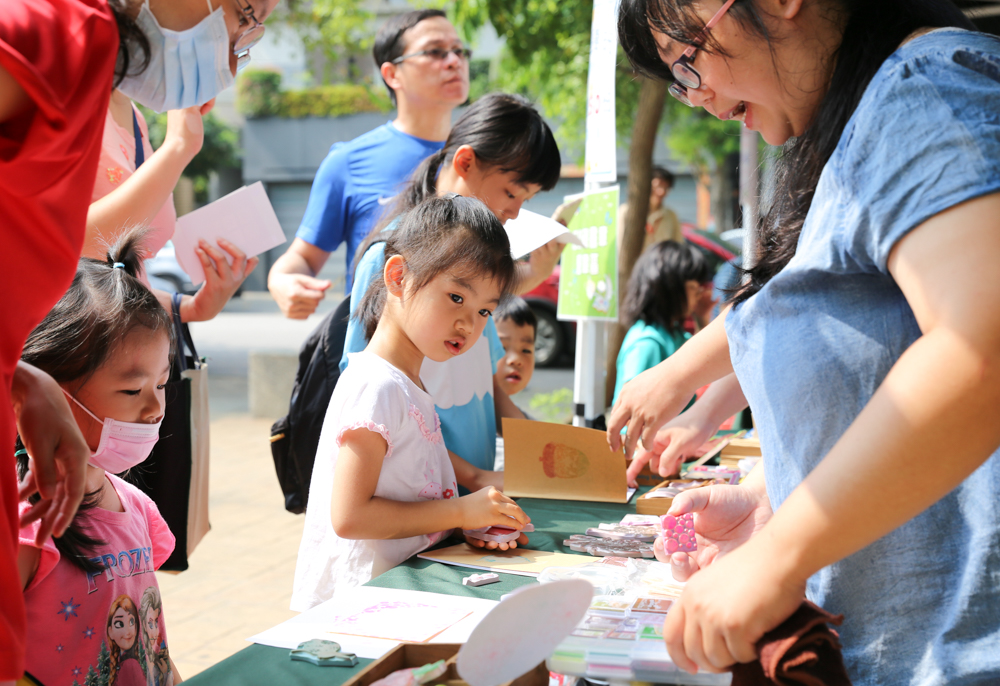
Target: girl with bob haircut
{"points": [[384, 487], [866, 341], [663, 291], [107, 343], [502, 152]]}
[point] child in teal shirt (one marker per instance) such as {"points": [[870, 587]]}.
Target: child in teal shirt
{"points": [[666, 284]]}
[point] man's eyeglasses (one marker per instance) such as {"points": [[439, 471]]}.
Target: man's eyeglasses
{"points": [[437, 54], [248, 36], [685, 75]]}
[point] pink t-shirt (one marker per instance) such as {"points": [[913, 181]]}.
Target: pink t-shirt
{"points": [[117, 163], [108, 623]]}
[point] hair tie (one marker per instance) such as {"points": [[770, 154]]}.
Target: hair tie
{"points": [[20, 452], [118, 265]]}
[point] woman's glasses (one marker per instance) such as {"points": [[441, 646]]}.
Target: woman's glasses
{"points": [[438, 54], [685, 75], [248, 37]]}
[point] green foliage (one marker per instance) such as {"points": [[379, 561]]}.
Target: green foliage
{"points": [[697, 138], [555, 407], [260, 95], [335, 28], [546, 58], [221, 149]]}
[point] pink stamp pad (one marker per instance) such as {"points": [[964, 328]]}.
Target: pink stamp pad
{"points": [[678, 533]]}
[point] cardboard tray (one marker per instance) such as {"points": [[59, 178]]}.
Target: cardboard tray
{"points": [[419, 654], [659, 506]]}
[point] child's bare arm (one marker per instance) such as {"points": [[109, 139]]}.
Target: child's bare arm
{"points": [[472, 477], [357, 514]]}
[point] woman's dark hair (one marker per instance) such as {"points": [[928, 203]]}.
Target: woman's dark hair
{"points": [[873, 30], [389, 43], [454, 234], [102, 306], [518, 311], [132, 42], [657, 293]]}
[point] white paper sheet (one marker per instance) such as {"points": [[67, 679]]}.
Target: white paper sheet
{"points": [[245, 218], [316, 623], [530, 231]]}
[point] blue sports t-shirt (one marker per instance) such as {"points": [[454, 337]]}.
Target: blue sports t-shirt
{"points": [[462, 387], [922, 603], [354, 182]]}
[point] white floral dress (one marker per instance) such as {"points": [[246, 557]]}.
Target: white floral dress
{"points": [[374, 395]]}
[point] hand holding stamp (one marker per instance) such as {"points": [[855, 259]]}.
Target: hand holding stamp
{"points": [[678, 533]]}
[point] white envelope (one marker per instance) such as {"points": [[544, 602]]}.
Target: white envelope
{"points": [[531, 231], [245, 218]]}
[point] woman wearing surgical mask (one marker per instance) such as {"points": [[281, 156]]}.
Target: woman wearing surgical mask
{"points": [[59, 60]]}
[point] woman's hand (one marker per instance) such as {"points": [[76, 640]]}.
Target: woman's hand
{"points": [[725, 517], [678, 440], [727, 607], [490, 507], [222, 280], [645, 404], [58, 451], [186, 129]]}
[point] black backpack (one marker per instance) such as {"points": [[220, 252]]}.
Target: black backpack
{"points": [[295, 437]]}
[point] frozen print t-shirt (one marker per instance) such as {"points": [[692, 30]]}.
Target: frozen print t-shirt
{"points": [[374, 395], [106, 626]]}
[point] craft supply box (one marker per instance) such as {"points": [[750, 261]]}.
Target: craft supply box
{"points": [[419, 654]]}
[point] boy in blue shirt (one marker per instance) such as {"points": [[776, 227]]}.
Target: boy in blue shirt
{"points": [[426, 69]]}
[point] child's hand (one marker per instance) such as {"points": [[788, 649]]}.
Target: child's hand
{"points": [[493, 545], [490, 507]]}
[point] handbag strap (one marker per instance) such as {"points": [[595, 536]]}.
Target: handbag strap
{"points": [[140, 152], [183, 335]]}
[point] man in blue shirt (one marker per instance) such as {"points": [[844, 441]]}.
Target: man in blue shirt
{"points": [[426, 69]]}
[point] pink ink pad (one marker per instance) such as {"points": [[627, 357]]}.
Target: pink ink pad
{"points": [[678, 533]]}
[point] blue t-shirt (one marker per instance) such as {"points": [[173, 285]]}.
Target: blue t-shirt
{"points": [[354, 182], [922, 604], [462, 387]]}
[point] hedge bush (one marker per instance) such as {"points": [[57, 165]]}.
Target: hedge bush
{"points": [[260, 96]]}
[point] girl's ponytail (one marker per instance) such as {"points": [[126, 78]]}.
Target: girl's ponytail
{"points": [[423, 183]]}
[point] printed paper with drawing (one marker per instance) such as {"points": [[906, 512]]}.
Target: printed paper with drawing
{"points": [[544, 460], [520, 561], [245, 218]]}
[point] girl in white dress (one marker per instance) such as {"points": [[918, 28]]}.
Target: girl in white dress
{"points": [[384, 487]]}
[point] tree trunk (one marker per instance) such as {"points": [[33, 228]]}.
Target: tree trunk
{"points": [[640, 164]]}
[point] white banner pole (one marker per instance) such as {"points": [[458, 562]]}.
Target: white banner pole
{"points": [[601, 165]]}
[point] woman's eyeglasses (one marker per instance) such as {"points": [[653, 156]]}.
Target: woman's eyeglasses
{"points": [[437, 54], [248, 37], [685, 75]]}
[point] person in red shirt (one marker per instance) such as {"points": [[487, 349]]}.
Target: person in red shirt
{"points": [[59, 60]]}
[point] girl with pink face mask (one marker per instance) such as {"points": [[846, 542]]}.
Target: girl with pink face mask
{"points": [[107, 343]]}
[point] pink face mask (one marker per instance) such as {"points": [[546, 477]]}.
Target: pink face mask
{"points": [[123, 444]]}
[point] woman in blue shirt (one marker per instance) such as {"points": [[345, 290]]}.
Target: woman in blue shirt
{"points": [[866, 341]]}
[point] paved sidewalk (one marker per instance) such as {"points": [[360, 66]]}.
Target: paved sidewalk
{"points": [[240, 579]]}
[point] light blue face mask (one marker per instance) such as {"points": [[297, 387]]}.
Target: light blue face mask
{"points": [[186, 68]]}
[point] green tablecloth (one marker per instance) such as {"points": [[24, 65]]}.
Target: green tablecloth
{"points": [[554, 521]]}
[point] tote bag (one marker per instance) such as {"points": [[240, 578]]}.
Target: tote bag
{"points": [[175, 475]]}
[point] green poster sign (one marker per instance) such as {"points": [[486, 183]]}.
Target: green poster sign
{"points": [[588, 280]]}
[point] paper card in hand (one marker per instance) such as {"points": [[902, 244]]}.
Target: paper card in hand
{"points": [[245, 218], [561, 462], [531, 231]]}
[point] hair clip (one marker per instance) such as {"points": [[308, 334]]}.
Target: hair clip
{"points": [[118, 265]]}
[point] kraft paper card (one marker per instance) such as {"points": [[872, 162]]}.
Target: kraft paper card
{"points": [[245, 218], [561, 462], [519, 561]]}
